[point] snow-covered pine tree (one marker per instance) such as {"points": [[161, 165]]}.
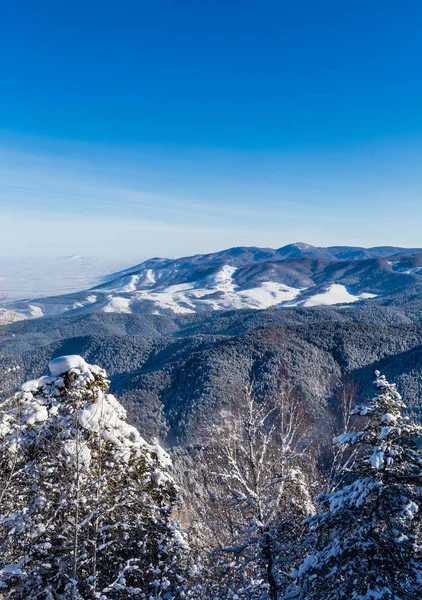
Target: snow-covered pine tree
{"points": [[87, 512], [366, 531]]}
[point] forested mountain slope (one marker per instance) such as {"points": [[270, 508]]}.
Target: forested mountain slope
{"points": [[179, 379]]}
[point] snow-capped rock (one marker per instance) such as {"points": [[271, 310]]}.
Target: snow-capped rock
{"points": [[62, 364]]}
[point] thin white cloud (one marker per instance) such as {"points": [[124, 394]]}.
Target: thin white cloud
{"points": [[122, 203], [56, 205]]}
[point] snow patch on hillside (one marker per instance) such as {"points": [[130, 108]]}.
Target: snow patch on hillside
{"points": [[218, 291], [414, 271], [91, 299], [131, 284], [223, 279], [335, 294], [404, 269], [117, 305], [270, 293], [172, 299], [149, 277], [35, 312], [186, 299]]}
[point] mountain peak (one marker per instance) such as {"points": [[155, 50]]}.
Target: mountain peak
{"points": [[301, 249], [303, 246]]}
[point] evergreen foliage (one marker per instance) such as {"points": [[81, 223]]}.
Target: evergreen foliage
{"points": [[366, 532], [86, 508], [87, 505]]}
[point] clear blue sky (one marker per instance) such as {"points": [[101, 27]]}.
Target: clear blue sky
{"points": [[187, 126]]}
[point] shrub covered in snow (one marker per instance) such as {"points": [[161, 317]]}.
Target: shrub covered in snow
{"points": [[86, 502]]}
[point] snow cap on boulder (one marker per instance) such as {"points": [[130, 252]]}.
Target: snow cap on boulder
{"points": [[62, 364]]}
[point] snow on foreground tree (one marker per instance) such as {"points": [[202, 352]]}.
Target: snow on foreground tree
{"points": [[87, 503], [366, 532], [261, 494]]}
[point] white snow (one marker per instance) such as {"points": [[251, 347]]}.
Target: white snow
{"points": [[171, 299], [91, 299], [130, 286], [411, 509], [35, 311], [223, 279], [389, 418], [62, 364], [157, 292], [215, 292], [347, 438], [270, 293], [117, 304], [377, 459], [30, 386], [32, 412], [71, 451], [149, 277], [335, 294], [12, 569], [42, 399], [185, 298], [385, 432], [107, 417], [406, 271]]}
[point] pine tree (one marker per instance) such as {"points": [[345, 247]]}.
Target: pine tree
{"points": [[366, 532], [88, 509]]}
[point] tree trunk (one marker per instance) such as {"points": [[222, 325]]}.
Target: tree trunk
{"points": [[269, 563]]}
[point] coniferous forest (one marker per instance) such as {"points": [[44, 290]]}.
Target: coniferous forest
{"points": [[91, 510]]}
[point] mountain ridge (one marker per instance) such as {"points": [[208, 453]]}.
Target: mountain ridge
{"points": [[247, 278]]}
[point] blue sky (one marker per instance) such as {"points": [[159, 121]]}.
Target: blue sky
{"points": [[136, 129]]}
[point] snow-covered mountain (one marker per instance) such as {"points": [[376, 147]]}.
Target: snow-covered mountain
{"points": [[247, 278]]}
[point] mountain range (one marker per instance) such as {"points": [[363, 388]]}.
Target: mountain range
{"points": [[247, 278], [182, 338]]}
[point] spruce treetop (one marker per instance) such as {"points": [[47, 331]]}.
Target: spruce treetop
{"points": [[75, 396], [366, 532], [87, 503]]}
